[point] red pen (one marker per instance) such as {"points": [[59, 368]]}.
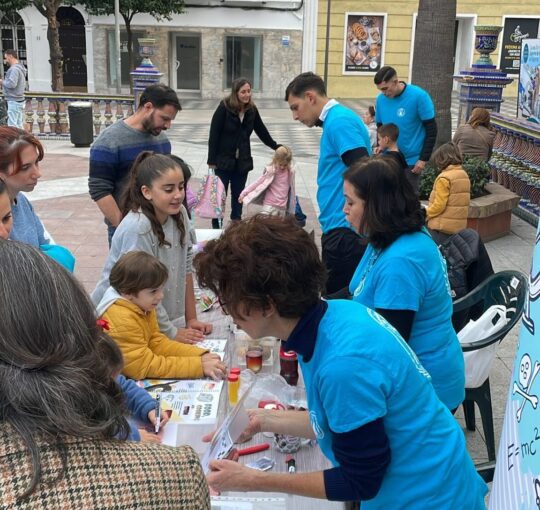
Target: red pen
{"points": [[254, 449]]}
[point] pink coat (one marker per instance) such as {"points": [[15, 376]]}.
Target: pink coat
{"points": [[254, 193]]}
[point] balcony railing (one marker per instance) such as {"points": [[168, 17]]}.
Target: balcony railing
{"points": [[46, 114]]}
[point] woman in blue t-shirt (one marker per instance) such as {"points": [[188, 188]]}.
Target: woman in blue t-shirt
{"points": [[402, 275], [372, 408]]}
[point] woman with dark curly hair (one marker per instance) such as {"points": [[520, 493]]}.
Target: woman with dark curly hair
{"points": [[62, 428], [402, 274], [372, 408]]}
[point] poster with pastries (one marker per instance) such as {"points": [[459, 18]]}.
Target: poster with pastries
{"points": [[364, 42]]}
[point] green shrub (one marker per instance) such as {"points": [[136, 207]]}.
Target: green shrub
{"points": [[477, 169]]}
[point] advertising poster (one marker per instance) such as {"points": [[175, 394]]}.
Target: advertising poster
{"points": [[515, 30], [516, 484], [529, 81], [364, 42]]}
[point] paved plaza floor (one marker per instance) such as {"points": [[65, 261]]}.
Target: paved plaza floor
{"points": [[61, 199]]}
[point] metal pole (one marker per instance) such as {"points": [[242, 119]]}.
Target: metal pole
{"points": [[118, 67], [328, 7]]}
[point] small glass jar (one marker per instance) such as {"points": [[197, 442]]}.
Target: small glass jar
{"points": [[254, 359], [288, 361]]}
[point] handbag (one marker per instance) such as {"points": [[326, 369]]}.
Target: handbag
{"points": [[211, 197]]}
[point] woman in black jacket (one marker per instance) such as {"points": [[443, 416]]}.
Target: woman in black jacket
{"points": [[229, 148]]}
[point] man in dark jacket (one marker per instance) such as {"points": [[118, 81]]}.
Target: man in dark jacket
{"points": [[14, 83]]}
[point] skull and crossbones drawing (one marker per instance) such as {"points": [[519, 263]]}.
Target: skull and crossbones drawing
{"points": [[527, 375]]}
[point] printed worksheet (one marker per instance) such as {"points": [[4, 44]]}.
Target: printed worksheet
{"points": [[215, 345], [190, 401]]}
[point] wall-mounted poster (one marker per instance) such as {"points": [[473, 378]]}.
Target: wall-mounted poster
{"points": [[529, 81], [364, 42], [515, 30]]}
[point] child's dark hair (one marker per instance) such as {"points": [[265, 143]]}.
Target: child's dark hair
{"points": [[446, 155], [371, 110], [136, 271], [390, 130], [3, 187], [186, 169], [148, 167], [110, 354]]}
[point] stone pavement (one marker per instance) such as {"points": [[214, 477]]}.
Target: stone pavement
{"points": [[61, 199]]}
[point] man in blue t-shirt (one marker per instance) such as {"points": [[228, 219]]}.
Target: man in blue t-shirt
{"points": [[344, 140], [411, 109]]}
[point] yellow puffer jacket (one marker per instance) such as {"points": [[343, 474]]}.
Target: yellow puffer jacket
{"points": [[148, 353], [449, 201]]}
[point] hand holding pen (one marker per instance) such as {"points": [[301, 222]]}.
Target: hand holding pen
{"points": [[158, 413]]}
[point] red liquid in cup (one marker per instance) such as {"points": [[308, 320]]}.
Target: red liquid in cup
{"points": [[254, 358]]}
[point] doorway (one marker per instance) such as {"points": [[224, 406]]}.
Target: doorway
{"points": [[187, 62], [73, 44]]}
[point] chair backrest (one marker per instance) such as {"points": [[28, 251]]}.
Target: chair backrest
{"points": [[508, 288]]}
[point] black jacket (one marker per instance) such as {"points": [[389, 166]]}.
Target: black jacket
{"points": [[229, 138]]}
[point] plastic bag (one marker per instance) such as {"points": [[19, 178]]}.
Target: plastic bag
{"points": [[274, 392], [478, 363], [211, 197]]}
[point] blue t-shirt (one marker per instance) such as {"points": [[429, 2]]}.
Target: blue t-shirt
{"points": [[407, 111], [362, 370], [27, 227], [410, 274], [343, 131]]}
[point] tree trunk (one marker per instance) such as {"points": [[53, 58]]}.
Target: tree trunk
{"points": [[129, 34], [433, 64], [55, 50]]}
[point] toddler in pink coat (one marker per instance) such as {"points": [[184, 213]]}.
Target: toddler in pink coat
{"points": [[274, 189]]}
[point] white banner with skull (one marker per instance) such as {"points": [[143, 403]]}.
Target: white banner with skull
{"points": [[516, 484]]}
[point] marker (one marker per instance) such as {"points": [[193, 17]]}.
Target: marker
{"points": [[158, 412], [254, 449], [291, 464]]}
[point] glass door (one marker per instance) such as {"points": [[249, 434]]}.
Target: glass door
{"points": [[188, 62]]}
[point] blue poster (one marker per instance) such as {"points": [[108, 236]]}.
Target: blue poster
{"points": [[529, 81], [516, 485]]}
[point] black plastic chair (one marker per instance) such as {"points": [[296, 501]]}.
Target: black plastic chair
{"points": [[508, 288]]}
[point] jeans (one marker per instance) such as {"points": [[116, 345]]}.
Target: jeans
{"points": [[110, 232], [237, 181], [15, 113]]}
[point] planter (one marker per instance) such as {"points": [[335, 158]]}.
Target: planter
{"points": [[491, 215], [485, 42]]}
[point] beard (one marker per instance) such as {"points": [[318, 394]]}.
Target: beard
{"points": [[149, 125]]}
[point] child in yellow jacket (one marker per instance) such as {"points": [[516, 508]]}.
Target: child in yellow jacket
{"points": [[449, 200], [128, 307]]}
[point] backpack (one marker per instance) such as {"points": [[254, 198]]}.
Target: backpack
{"points": [[210, 197]]}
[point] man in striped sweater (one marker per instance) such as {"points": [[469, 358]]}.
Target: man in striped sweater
{"points": [[115, 149]]}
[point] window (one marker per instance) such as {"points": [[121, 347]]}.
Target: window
{"points": [[12, 37], [243, 59], [125, 67]]}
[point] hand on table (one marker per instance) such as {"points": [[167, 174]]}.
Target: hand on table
{"points": [[189, 335], [254, 427], [203, 327], [149, 437], [213, 366], [227, 475]]}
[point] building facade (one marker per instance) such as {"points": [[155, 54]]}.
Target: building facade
{"points": [[200, 52], [364, 36]]}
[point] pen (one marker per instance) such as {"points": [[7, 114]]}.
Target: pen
{"points": [[158, 412], [254, 449], [291, 464]]}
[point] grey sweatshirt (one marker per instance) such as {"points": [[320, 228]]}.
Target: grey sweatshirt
{"points": [[135, 233], [15, 83]]}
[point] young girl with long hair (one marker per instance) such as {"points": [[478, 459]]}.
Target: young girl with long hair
{"points": [[155, 221]]}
